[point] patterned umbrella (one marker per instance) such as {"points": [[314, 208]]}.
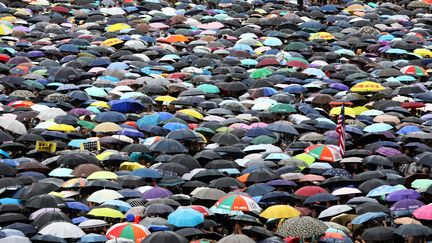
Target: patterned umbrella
{"points": [[237, 203], [387, 151], [303, 227], [135, 232], [324, 152]]}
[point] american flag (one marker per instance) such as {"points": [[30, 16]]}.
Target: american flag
{"points": [[340, 129]]}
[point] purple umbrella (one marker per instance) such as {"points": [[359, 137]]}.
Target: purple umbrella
{"points": [[280, 182], [80, 112], [339, 86], [156, 192], [387, 151], [405, 207], [21, 28], [402, 194]]}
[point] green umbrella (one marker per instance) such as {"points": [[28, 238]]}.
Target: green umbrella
{"points": [[296, 46], [263, 139], [282, 108], [87, 124], [96, 92], [205, 131], [261, 73], [208, 88], [33, 84], [421, 183]]}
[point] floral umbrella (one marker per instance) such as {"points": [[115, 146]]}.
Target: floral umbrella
{"points": [[303, 227]]}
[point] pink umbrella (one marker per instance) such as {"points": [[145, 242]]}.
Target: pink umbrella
{"points": [[240, 125], [424, 212], [387, 151], [211, 26], [159, 26], [21, 28], [258, 124]]}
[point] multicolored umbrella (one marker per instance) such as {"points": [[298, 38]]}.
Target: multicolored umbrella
{"points": [[237, 203], [324, 152], [131, 231]]}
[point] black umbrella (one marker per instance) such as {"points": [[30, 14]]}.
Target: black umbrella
{"points": [[189, 232], [225, 139], [45, 201], [371, 207], [168, 146], [7, 218], [47, 238], [320, 197], [165, 237], [77, 158], [378, 234], [38, 188], [256, 231], [368, 185], [378, 160], [226, 182], [27, 229], [135, 148], [185, 160], [413, 230], [47, 217], [262, 175]]}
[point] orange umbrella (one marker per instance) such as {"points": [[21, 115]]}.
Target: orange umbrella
{"points": [[243, 178], [176, 38]]}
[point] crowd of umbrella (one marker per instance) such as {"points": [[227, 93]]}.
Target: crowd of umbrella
{"points": [[215, 121]]}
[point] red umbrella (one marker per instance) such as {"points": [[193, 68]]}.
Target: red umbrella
{"points": [[409, 105], [60, 9], [297, 64], [308, 191], [268, 62], [4, 58]]}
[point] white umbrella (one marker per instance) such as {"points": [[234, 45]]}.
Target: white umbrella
{"points": [[63, 230], [334, 210], [345, 191], [15, 239], [104, 195], [50, 113], [92, 223], [13, 126]]}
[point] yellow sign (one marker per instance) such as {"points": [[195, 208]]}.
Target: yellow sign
{"points": [[42, 146], [90, 146]]}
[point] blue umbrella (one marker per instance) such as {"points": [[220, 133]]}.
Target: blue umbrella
{"points": [[10, 162], [146, 173], [312, 25], [243, 47], [173, 126], [295, 89], [129, 193], [69, 48], [89, 238], [407, 129], [382, 190], [126, 105], [79, 220], [337, 172], [131, 133], [185, 218], [110, 116], [8, 200], [78, 206], [76, 143], [368, 216], [259, 189], [149, 120]]}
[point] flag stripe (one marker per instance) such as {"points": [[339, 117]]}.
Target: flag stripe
{"points": [[340, 129]]}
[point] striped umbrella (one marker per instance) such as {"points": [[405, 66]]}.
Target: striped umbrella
{"points": [[324, 152], [237, 203], [135, 232], [5, 30], [414, 70]]}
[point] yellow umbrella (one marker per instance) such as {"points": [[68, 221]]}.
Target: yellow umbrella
{"points": [[321, 35], [354, 8], [102, 175], [103, 155], [118, 27], [348, 111], [62, 128], [5, 30], [367, 86], [130, 166], [111, 42], [309, 159], [107, 127], [9, 18], [102, 104], [165, 98], [280, 212], [359, 109], [106, 213], [423, 52], [192, 113]]}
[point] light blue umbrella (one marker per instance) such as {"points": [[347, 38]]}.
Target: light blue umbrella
{"points": [[93, 109], [96, 92], [149, 120], [243, 47], [272, 41], [118, 66], [249, 62], [173, 126], [131, 95], [76, 143], [122, 206], [405, 78], [382, 190], [386, 38], [8, 200], [92, 238], [396, 51], [368, 216], [61, 172], [109, 78], [10, 162], [185, 218], [4, 153], [277, 156], [378, 127]]}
